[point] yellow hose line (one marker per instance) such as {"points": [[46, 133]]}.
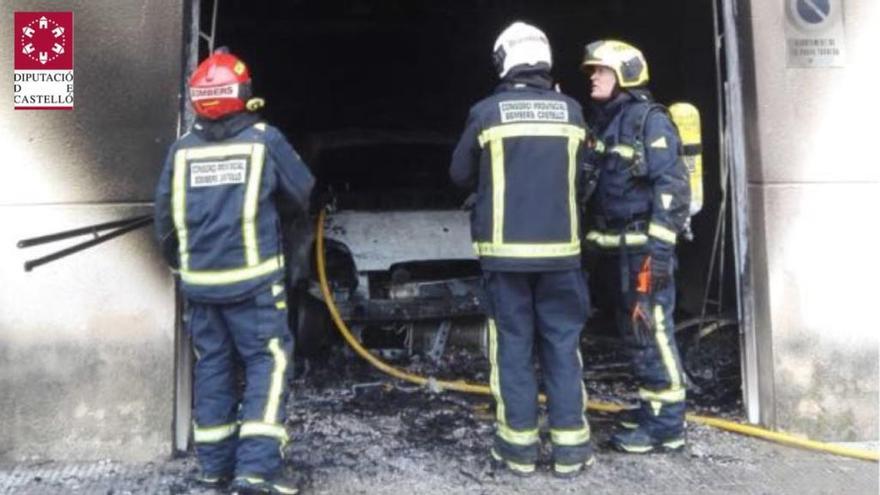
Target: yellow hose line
{"points": [[479, 388], [785, 438]]}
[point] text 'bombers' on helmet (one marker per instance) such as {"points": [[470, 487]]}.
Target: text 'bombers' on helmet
{"points": [[520, 44], [220, 86], [627, 61]]}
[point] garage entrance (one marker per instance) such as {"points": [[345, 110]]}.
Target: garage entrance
{"points": [[400, 76]]}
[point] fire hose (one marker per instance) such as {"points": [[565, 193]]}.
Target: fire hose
{"points": [[483, 389]]}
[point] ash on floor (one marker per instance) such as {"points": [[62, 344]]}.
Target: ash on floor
{"points": [[355, 431]]}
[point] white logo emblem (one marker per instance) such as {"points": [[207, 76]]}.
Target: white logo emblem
{"points": [[43, 40]]}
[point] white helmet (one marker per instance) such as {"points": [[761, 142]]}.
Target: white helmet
{"points": [[521, 44]]}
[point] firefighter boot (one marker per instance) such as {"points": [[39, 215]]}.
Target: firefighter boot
{"points": [[213, 481], [522, 470], [564, 470], [642, 441], [663, 430], [254, 485]]}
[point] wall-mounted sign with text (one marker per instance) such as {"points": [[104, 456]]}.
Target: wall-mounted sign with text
{"points": [[814, 33]]}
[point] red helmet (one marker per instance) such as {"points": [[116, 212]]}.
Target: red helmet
{"points": [[220, 86]]}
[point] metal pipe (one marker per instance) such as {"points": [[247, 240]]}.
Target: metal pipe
{"points": [[130, 226], [91, 229], [213, 41]]}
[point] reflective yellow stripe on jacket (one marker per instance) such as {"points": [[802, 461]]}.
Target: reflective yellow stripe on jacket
{"points": [[249, 208], [494, 137], [663, 233], [604, 240], [178, 207], [224, 277]]}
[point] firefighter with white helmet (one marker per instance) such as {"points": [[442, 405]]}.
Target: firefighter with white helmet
{"points": [[520, 152], [217, 216], [636, 214]]}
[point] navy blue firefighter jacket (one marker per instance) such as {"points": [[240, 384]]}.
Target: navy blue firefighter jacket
{"points": [[653, 192], [217, 206], [521, 151]]}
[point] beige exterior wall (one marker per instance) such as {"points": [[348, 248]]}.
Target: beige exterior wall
{"points": [[87, 342], [814, 187]]}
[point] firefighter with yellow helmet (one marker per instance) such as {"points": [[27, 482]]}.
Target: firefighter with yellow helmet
{"points": [[636, 213]]}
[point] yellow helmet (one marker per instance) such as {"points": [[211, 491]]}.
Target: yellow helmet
{"points": [[625, 60]]}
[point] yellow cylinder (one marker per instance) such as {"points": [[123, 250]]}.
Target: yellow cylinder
{"points": [[687, 119]]}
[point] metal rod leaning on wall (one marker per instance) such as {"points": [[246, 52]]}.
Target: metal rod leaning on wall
{"points": [[66, 234], [121, 227]]}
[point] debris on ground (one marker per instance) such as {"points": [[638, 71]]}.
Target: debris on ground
{"points": [[357, 431]]}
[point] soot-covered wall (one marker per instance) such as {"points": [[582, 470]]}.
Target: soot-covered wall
{"points": [[86, 343]]}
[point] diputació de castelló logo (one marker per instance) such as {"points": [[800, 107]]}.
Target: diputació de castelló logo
{"points": [[43, 78]]}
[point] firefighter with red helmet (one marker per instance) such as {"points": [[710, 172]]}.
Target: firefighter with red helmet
{"points": [[217, 221]]}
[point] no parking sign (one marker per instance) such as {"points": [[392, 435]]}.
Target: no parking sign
{"points": [[814, 33]]}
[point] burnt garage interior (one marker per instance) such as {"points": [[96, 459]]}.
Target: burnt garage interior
{"points": [[375, 93]]}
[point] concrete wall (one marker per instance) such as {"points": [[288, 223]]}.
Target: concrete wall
{"points": [[86, 343], [814, 186]]}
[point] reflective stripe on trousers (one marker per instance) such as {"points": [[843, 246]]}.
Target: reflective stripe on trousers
{"points": [[256, 332], [656, 365], [551, 307]]}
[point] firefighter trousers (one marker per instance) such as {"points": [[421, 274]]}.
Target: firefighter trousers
{"points": [[539, 313], [656, 364], [240, 430]]}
